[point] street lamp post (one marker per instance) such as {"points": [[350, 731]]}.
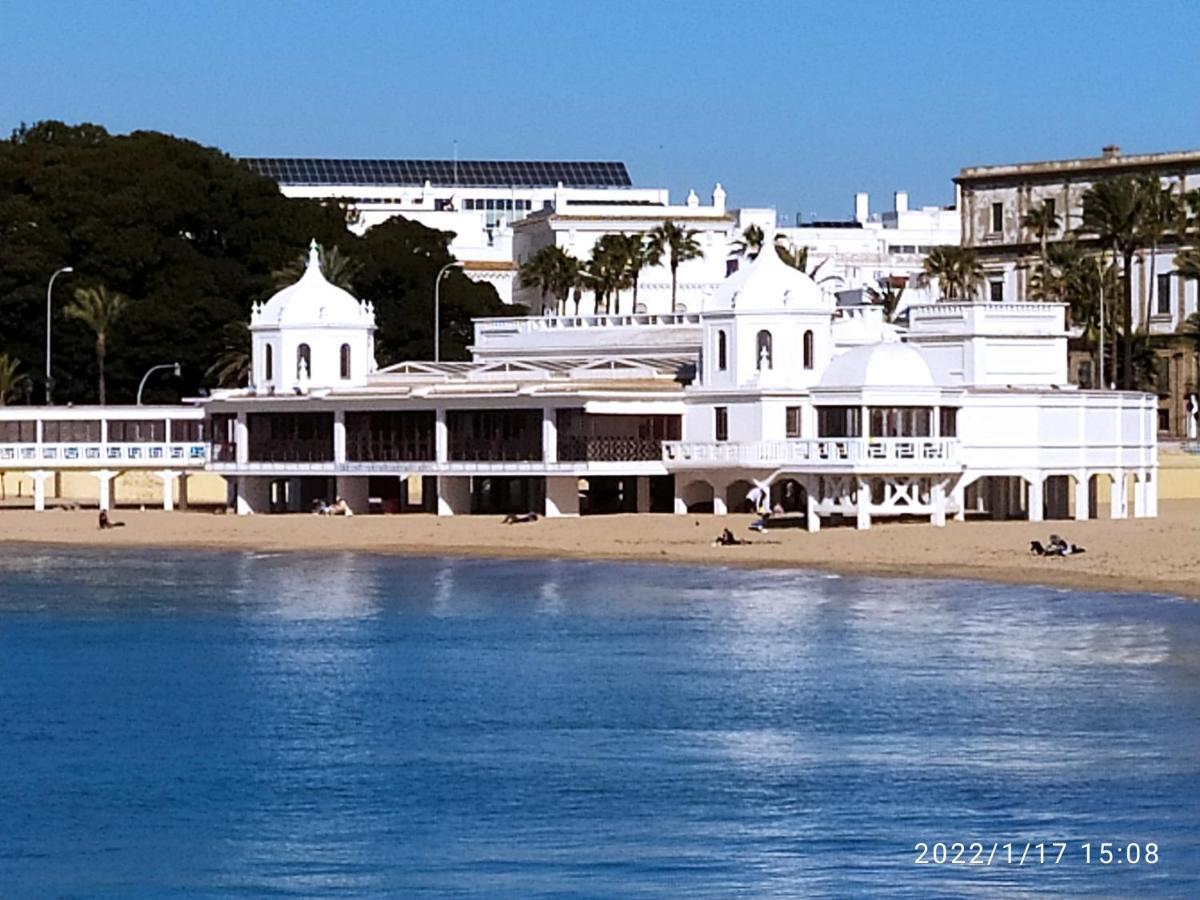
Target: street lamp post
{"points": [[65, 270], [150, 371], [437, 308]]}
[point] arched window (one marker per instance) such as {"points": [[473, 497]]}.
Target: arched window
{"points": [[722, 351], [269, 363], [762, 351], [345, 361], [303, 361], [808, 349]]}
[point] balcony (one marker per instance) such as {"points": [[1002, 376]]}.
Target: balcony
{"points": [[920, 454], [574, 448]]}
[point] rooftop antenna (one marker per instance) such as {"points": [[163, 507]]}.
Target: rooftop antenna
{"points": [[456, 163]]}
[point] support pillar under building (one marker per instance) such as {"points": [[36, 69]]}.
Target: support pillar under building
{"points": [[168, 488], [39, 488], [453, 495], [105, 477], [562, 496]]}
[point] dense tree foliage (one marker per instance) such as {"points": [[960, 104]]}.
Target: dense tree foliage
{"points": [[192, 238]]}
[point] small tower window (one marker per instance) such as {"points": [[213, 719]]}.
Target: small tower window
{"points": [[269, 363], [722, 351], [762, 350], [303, 361], [808, 349], [345, 361]]}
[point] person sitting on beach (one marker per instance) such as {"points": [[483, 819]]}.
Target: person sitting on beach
{"points": [[106, 523], [340, 508], [726, 539], [320, 507], [519, 518]]}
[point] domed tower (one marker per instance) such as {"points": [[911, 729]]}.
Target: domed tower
{"points": [[311, 335], [768, 325]]}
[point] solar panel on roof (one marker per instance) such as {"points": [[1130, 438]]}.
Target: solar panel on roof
{"points": [[472, 173]]}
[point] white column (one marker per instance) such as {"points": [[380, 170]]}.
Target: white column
{"points": [[959, 499], [168, 491], [339, 438], [938, 500], [863, 506], [549, 437], [1117, 506], [241, 437], [680, 503], [105, 478], [253, 495], [1151, 501], [1081, 495], [453, 495], [355, 491], [441, 438], [1139, 495], [720, 508], [643, 493], [1037, 497], [562, 496], [39, 489], [813, 521]]}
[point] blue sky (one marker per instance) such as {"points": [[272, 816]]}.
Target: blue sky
{"points": [[794, 105]]}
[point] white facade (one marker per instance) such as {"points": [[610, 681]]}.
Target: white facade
{"points": [[576, 228], [477, 202], [871, 249]]}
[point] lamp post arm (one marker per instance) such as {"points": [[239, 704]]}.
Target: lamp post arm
{"points": [[437, 308], [150, 372]]}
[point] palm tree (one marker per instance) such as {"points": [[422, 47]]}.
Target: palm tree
{"points": [[608, 270], [1162, 211], [1042, 220], [957, 270], [797, 258], [1187, 263], [637, 257], [232, 367], [1114, 210], [12, 382], [338, 268], [98, 309], [751, 241], [887, 295], [541, 271], [678, 245]]}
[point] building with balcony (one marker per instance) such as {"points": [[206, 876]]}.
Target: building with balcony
{"points": [[773, 387], [994, 201]]}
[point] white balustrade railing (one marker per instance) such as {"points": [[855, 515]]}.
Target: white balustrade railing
{"points": [[187, 454], [917, 452]]}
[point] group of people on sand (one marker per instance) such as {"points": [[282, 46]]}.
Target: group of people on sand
{"points": [[1057, 546], [339, 507]]}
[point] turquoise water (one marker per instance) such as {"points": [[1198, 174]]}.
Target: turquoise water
{"points": [[211, 724]]}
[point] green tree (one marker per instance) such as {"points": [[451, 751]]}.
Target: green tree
{"points": [[1114, 211], [337, 268], [956, 269], [231, 369], [1042, 221], [13, 382], [751, 241], [677, 245], [400, 260], [190, 235], [608, 271], [541, 271], [1162, 212], [887, 294], [99, 309]]}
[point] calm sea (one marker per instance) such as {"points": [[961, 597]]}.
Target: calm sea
{"points": [[225, 724]]}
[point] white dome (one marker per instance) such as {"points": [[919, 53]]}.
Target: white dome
{"points": [[886, 365], [768, 283], [311, 301]]}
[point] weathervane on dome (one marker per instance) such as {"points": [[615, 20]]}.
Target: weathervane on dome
{"points": [[314, 255]]}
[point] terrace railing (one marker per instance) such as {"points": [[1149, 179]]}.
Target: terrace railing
{"points": [[918, 453]]}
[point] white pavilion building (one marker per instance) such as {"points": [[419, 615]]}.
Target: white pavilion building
{"points": [[835, 412]]}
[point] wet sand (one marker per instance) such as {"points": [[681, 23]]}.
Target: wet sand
{"points": [[1141, 555]]}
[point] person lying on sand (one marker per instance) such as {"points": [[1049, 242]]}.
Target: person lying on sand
{"points": [[105, 522], [1058, 547], [726, 539], [520, 518]]}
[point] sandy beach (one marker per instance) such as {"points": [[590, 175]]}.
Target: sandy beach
{"points": [[1146, 555]]}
